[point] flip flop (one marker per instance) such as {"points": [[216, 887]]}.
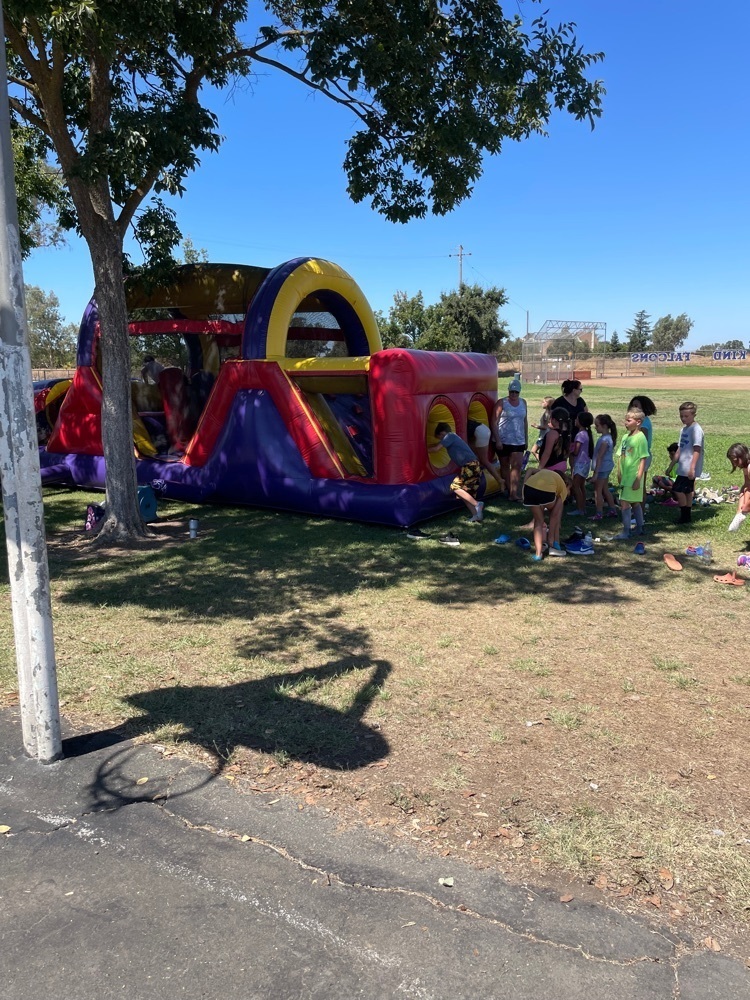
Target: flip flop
{"points": [[731, 578], [672, 563]]}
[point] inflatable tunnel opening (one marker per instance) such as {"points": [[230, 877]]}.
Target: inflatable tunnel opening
{"points": [[439, 413]]}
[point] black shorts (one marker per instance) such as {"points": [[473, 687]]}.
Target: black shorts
{"points": [[537, 498], [510, 449], [683, 485]]}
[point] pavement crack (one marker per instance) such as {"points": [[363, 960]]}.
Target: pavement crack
{"points": [[460, 910]]}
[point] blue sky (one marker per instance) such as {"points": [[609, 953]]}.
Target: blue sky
{"points": [[651, 210]]}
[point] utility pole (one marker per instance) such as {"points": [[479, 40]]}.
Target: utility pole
{"points": [[460, 253], [21, 480]]}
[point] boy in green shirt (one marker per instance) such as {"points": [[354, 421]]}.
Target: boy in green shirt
{"points": [[632, 468]]}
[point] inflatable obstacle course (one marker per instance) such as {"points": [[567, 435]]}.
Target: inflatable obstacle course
{"points": [[287, 399]]}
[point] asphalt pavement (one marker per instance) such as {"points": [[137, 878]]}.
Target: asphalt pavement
{"points": [[182, 887]]}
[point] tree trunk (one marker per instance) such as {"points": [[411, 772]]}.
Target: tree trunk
{"points": [[123, 521]]}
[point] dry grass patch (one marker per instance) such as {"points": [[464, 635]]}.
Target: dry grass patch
{"points": [[588, 718]]}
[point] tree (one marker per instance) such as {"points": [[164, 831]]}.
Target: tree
{"points": [[614, 343], [466, 320], [727, 345], [52, 344], [511, 349], [42, 199], [405, 322], [191, 254], [640, 332], [668, 334], [114, 89]]}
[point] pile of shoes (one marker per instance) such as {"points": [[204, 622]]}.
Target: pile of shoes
{"points": [[706, 497], [581, 545]]}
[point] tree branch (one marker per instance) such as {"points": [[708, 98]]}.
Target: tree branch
{"points": [[29, 116], [36, 34], [134, 199], [362, 110], [25, 84], [20, 46]]}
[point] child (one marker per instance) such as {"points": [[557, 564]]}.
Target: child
{"points": [[666, 482], [689, 460], [604, 463], [545, 491], [543, 425], [649, 410], [554, 453], [580, 460], [479, 441], [739, 456], [633, 455], [555, 450], [466, 483]]}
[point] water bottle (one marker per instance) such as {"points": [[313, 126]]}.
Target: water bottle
{"points": [[708, 555]]}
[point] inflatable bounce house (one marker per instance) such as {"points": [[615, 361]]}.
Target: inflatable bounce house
{"points": [[286, 400]]}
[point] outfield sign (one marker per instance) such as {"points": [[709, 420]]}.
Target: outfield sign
{"points": [[641, 357]]}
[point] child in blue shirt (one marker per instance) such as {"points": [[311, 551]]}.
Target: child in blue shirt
{"points": [[466, 483]]}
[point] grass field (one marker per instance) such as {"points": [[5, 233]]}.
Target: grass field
{"points": [[584, 720], [710, 371]]}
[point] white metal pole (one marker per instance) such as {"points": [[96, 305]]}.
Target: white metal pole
{"points": [[21, 482]]}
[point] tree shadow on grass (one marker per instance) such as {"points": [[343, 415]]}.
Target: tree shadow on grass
{"points": [[248, 563], [313, 714], [272, 715], [283, 713]]}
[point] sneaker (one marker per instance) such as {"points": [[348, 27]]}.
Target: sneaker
{"points": [[477, 518], [580, 548], [621, 537], [743, 560], [577, 534], [416, 534], [577, 513], [704, 476], [449, 539], [670, 503], [736, 522], [597, 517], [612, 512], [555, 550]]}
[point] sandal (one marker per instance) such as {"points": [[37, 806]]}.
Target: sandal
{"points": [[730, 578], [672, 563]]}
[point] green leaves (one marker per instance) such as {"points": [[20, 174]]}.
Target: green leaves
{"points": [[435, 86], [466, 320]]}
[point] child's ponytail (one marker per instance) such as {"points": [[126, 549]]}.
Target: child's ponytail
{"points": [[608, 422]]}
